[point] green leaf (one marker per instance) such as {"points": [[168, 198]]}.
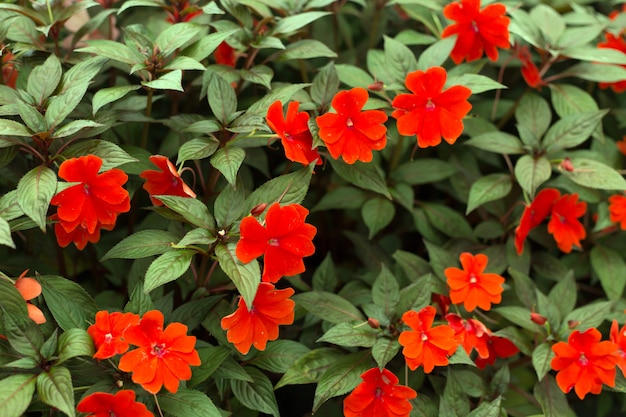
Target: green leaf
{"points": [[436, 54], [423, 171], [386, 292], [497, 142], [222, 99], [563, 295], [534, 112], [295, 22], [139, 302], [291, 187], [597, 72], [282, 94], [353, 76], [279, 356], [487, 409], [610, 268], [587, 316], [184, 63], [258, 394], [206, 45], [594, 174], [400, 59], [325, 276], [55, 389], [542, 358], [11, 300], [362, 175], [109, 95], [77, 314], [16, 393], [197, 149], [5, 234], [246, 277], [305, 49], [447, 220], [188, 403], [169, 81], [384, 350], [342, 197], [476, 82], [176, 36], [111, 154], [531, 172], [259, 74], [211, 358], [32, 117], [525, 288], [325, 86], [192, 210], [345, 334], [115, 50], [23, 334], [142, 244], [418, 294], [167, 268], [34, 192], [227, 160], [519, 316], [197, 236], [229, 206], [549, 22], [571, 131], [328, 306], [377, 213], [568, 100], [553, 401], [596, 55], [73, 343], [341, 377], [488, 188], [12, 128], [44, 79], [310, 367]]}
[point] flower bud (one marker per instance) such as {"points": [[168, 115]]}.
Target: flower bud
{"points": [[567, 165], [258, 209], [572, 323], [376, 86], [538, 318], [374, 324]]}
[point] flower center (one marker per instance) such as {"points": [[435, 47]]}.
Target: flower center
{"points": [[430, 105], [273, 242], [349, 122], [159, 350], [379, 392], [424, 337], [108, 337], [583, 360], [473, 279], [86, 188], [475, 27]]}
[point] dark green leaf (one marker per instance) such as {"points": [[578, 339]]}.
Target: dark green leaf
{"points": [[384, 350], [279, 356], [197, 149], [571, 131], [531, 172], [295, 22], [167, 268], [386, 292], [222, 99], [16, 392], [55, 389], [328, 306], [610, 268], [542, 358], [341, 377], [77, 314], [377, 213], [246, 277], [310, 367], [362, 175], [290, 189], [305, 49], [211, 358], [188, 403], [229, 206], [258, 394], [44, 79], [169, 81], [534, 112], [109, 95], [73, 343], [227, 160], [193, 210], [553, 401], [488, 188], [111, 154], [176, 36], [325, 86], [348, 335], [142, 244], [498, 142], [596, 175]]}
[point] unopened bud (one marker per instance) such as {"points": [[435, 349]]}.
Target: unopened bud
{"points": [[567, 165], [538, 318], [572, 323], [374, 324], [258, 209], [376, 86]]}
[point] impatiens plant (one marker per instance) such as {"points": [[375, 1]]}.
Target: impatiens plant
{"points": [[357, 208]]}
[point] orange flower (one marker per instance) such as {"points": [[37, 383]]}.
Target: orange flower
{"points": [[472, 333], [294, 133], [30, 288], [163, 357], [478, 30], [259, 323], [426, 345], [284, 241], [9, 72], [614, 42], [471, 285], [618, 336], [379, 395], [430, 113], [499, 347], [564, 225], [108, 333], [530, 72], [167, 181], [122, 404], [350, 132], [617, 210], [92, 204], [621, 145], [225, 55], [534, 214], [584, 363]]}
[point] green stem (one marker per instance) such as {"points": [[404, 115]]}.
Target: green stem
{"points": [[146, 125]]}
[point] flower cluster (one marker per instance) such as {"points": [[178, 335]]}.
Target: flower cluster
{"points": [[92, 204], [617, 42], [162, 357], [564, 211], [122, 404], [165, 181]]}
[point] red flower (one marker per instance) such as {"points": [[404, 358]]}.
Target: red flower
{"points": [[350, 132], [584, 363], [182, 11], [426, 345], [530, 72], [294, 132], [9, 72], [534, 214], [564, 224], [108, 333], [499, 347], [225, 55], [430, 113], [478, 30], [167, 181], [259, 323], [284, 241], [92, 204], [163, 357], [472, 333], [379, 395], [614, 42], [122, 404], [30, 288], [471, 285], [617, 210], [618, 336]]}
